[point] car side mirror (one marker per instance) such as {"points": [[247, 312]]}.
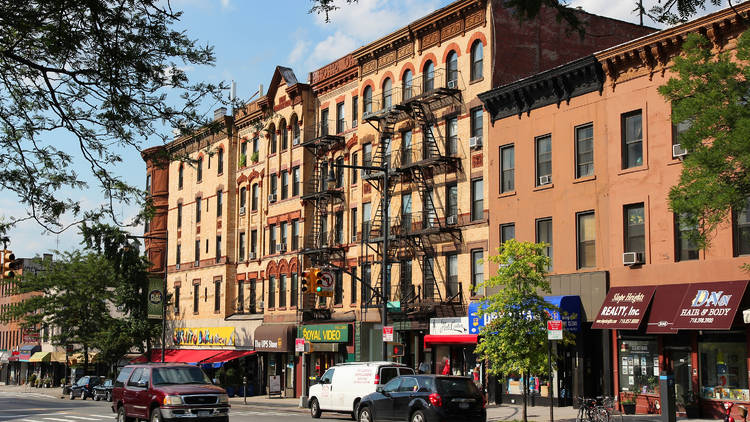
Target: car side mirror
{"points": [[143, 384], [379, 389], [215, 381]]}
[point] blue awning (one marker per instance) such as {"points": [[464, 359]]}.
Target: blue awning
{"points": [[570, 308]]}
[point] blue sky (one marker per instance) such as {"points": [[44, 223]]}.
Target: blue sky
{"points": [[251, 38]]}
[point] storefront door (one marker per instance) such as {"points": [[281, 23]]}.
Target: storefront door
{"points": [[682, 367]]}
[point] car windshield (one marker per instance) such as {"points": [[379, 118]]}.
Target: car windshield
{"points": [[456, 386], [181, 375]]}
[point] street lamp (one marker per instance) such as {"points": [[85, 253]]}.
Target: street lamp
{"points": [[163, 290], [385, 198]]}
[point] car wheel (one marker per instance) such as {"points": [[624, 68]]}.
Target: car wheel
{"points": [[83, 394], [156, 415], [418, 416], [364, 415], [72, 395], [97, 397], [121, 414], [315, 408]]}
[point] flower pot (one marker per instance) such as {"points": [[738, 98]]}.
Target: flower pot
{"points": [[628, 408]]}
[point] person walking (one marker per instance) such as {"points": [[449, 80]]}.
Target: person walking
{"points": [[446, 366]]}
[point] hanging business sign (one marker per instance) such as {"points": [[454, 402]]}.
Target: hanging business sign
{"points": [[324, 333], [449, 326], [204, 336]]}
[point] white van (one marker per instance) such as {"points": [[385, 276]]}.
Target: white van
{"points": [[342, 386]]}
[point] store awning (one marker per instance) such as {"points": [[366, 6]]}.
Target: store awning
{"points": [[709, 306], [58, 357], [664, 306], [179, 356], [228, 355], [275, 338], [624, 308], [40, 357], [570, 311], [450, 339]]}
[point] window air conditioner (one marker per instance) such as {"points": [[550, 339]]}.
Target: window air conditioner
{"points": [[196, 263], [251, 255], [295, 141], [177, 266], [452, 220], [242, 210], [545, 180], [632, 258], [281, 247], [475, 142], [453, 84], [354, 123], [272, 197], [678, 151]]}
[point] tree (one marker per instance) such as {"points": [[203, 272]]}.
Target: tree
{"points": [[72, 295], [515, 341], [709, 96], [100, 72], [664, 11]]}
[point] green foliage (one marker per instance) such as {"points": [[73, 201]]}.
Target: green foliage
{"points": [[711, 92], [243, 160], [100, 72], [254, 158], [516, 341]]}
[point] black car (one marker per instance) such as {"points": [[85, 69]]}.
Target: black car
{"points": [[424, 398], [103, 391], [84, 387]]}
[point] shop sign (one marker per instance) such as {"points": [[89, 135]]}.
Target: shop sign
{"points": [[325, 333], [710, 305], [624, 308], [387, 333], [204, 336], [475, 320], [449, 326], [299, 345], [155, 298]]}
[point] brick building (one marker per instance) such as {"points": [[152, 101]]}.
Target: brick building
{"points": [[264, 197], [582, 157]]}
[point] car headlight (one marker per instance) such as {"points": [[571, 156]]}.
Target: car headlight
{"points": [[172, 400], [223, 399]]}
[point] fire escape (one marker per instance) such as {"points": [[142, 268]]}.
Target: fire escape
{"points": [[414, 235]]}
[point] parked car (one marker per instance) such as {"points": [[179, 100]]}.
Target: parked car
{"points": [[167, 391], [103, 391], [84, 387], [424, 398], [342, 386]]}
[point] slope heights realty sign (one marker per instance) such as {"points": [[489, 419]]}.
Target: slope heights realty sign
{"points": [[624, 308]]}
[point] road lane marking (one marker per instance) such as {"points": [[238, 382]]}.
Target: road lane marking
{"points": [[55, 419], [84, 417], [31, 420]]}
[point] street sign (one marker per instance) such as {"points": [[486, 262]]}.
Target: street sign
{"points": [[326, 282], [388, 333], [299, 345], [554, 329]]}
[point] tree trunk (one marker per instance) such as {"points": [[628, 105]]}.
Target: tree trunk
{"points": [[85, 360], [525, 386]]}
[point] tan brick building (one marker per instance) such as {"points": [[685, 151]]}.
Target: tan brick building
{"points": [[408, 99]]}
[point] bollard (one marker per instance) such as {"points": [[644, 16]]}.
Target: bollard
{"points": [[244, 389]]}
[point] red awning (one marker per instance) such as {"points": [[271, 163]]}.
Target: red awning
{"points": [[710, 306], [179, 355], [666, 300], [624, 308], [450, 339], [228, 355]]}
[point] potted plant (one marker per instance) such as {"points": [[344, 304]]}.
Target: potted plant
{"points": [[47, 382], [243, 160], [690, 402], [32, 380], [254, 158], [628, 403]]}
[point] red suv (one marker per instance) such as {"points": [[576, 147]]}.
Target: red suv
{"points": [[168, 392]]}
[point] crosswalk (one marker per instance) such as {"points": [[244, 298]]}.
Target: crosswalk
{"points": [[55, 417]]}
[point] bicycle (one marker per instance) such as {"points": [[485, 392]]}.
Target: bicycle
{"points": [[594, 409]]}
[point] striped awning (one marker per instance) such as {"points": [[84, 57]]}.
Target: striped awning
{"points": [[40, 357]]}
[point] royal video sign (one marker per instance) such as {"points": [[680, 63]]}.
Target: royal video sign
{"points": [[324, 333]]}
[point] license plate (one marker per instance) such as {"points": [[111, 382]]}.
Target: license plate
{"points": [[463, 405], [203, 413]]}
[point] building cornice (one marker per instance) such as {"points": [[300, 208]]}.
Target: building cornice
{"points": [[550, 87]]}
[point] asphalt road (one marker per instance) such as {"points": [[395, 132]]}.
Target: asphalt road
{"points": [[34, 407]]}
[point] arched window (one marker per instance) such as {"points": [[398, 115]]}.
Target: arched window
{"points": [[272, 137], [295, 130], [406, 82], [451, 70], [284, 135], [477, 53], [367, 100], [180, 175], [428, 76], [199, 172], [387, 93]]}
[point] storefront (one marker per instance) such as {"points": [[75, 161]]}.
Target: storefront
{"points": [[450, 347], [275, 346], [691, 332]]}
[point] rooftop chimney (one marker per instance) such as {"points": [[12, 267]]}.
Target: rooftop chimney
{"points": [[219, 113]]}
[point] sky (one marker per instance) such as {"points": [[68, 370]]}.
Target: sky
{"points": [[250, 39]]}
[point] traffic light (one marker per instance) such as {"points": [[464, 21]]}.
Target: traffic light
{"points": [[397, 349], [7, 261], [306, 282], [317, 281]]}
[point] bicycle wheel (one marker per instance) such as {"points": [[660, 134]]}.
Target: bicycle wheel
{"points": [[601, 414], [580, 417]]}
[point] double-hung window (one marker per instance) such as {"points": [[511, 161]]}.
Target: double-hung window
{"points": [[543, 149], [477, 199], [632, 139], [544, 235], [507, 169], [586, 239], [584, 150]]}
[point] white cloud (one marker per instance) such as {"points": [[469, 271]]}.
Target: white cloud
{"points": [[624, 10], [299, 51]]}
